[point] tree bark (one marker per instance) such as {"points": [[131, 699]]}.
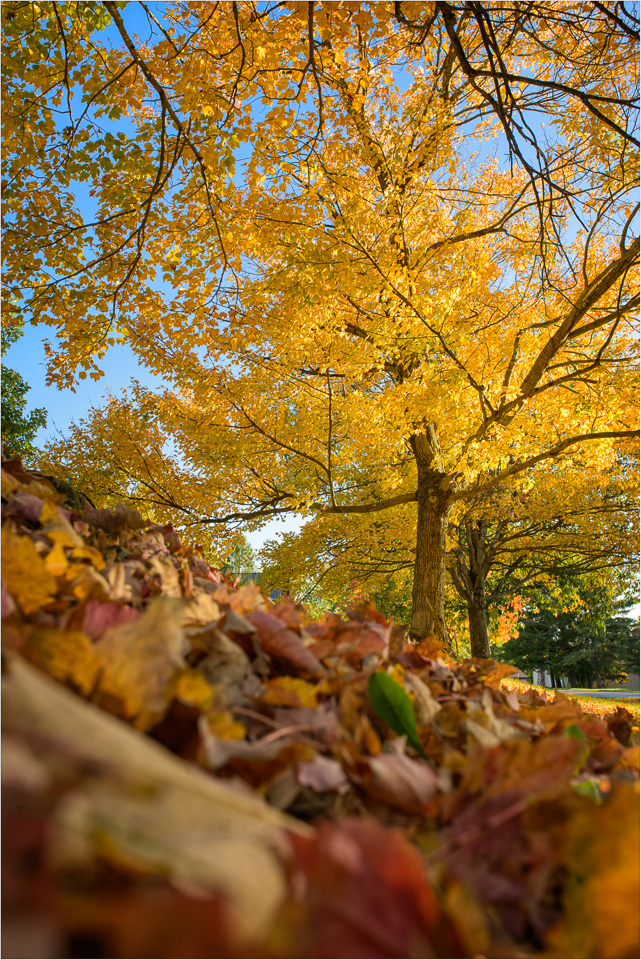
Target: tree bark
{"points": [[428, 590], [479, 637], [469, 566]]}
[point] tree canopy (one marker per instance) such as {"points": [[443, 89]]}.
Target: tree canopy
{"points": [[381, 254], [569, 523]]}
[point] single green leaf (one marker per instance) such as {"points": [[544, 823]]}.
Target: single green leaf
{"points": [[574, 732], [590, 789], [393, 705]]}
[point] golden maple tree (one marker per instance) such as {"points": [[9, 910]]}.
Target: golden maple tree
{"points": [[381, 254], [570, 523]]}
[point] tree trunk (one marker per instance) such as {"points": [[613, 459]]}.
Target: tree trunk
{"points": [[469, 566], [572, 673], [479, 637], [597, 672], [428, 590]]}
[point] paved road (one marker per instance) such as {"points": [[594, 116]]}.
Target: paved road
{"points": [[610, 694]]}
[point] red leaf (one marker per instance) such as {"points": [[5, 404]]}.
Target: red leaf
{"points": [[281, 642], [100, 617], [367, 896]]}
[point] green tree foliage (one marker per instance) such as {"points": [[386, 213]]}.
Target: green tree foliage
{"points": [[19, 427], [242, 558], [582, 634]]}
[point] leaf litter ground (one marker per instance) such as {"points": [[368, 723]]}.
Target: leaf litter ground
{"points": [[190, 770]]}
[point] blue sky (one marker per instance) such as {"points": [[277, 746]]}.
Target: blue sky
{"points": [[64, 405], [27, 356], [120, 365]]}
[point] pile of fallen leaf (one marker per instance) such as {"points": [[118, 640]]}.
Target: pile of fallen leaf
{"points": [[192, 771]]}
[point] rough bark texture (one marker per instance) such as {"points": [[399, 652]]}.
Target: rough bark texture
{"points": [[428, 591], [479, 637], [469, 566]]}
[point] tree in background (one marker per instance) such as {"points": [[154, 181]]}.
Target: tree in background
{"points": [[570, 522], [19, 427], [578, 631], [242, 558], [381, 309]]}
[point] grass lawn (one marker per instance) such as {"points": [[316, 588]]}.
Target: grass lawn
{"points": [[597, 705]]}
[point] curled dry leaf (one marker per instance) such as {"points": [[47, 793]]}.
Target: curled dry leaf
{"points": [[425, 706], [138, 660], [281, 642], [322, 773], [114, 521], [25, 506], [146, 808], [396, 779]]}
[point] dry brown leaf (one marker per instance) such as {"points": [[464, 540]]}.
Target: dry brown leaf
{"points": [[425, 706], [139, 660], [148, 807]]}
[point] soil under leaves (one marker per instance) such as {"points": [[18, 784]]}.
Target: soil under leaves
{"points": [[192, 771]]}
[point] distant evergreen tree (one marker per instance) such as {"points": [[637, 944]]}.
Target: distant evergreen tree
{"points": [[18, 427], [593, 644]]}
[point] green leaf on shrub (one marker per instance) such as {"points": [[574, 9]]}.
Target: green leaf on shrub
{"points": [[393, 705]]}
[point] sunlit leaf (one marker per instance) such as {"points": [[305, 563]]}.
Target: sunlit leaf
{"points": [[393, 705]]}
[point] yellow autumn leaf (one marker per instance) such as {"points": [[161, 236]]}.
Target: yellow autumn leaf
{"points": [[141, 658], [223, 726], [88, 553], [56, 560], [53, 520], [9, 485], [43, 490], [603, 882], [87, 582], [290, 692], [67, 655], [58, 537], [29, 582], [397, 673], [192, 687]]}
